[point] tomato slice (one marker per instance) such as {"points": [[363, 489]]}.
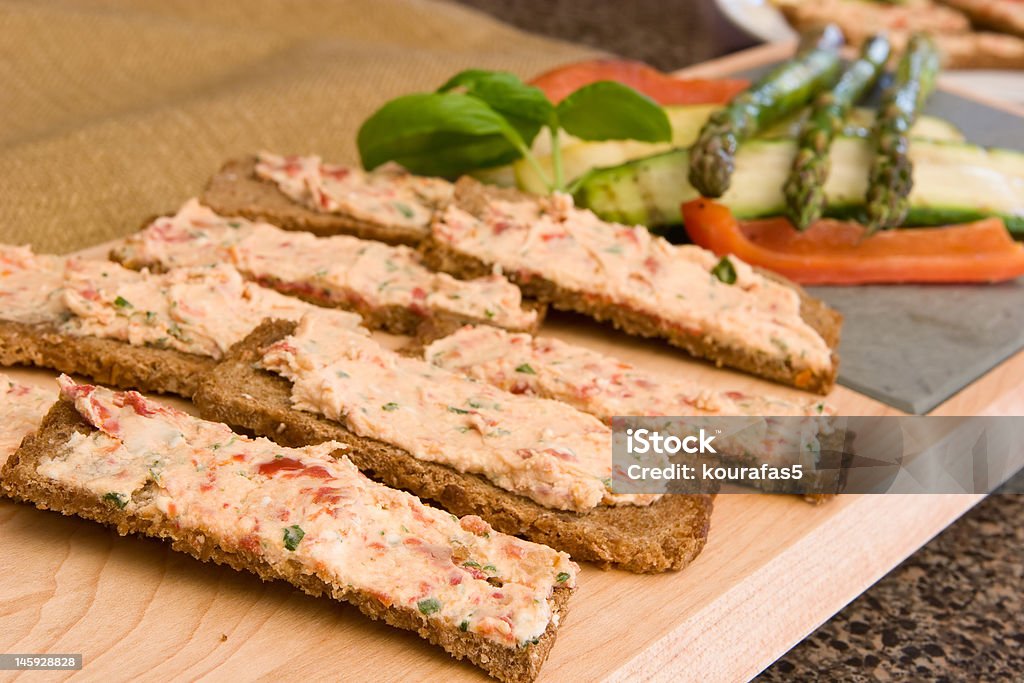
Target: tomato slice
{"points": [[659, 86], [841, 253]]}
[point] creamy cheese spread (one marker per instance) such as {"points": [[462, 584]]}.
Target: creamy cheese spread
{"points": [[301, 508], [22, 407], [30, 285], [545, 450], [386, 196], [607, 387], [595, 383], [203, 310], [339, 270], [629, 267]]}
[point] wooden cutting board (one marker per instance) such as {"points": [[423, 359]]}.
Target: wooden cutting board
{"points": [[773, 570]]}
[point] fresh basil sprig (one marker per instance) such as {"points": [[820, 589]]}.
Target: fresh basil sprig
{"points": [[524, 106], [438, 134], [479, 119]]}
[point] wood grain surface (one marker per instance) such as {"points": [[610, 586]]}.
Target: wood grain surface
{"points": [[773, 570]]}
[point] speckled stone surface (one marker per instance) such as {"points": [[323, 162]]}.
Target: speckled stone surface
{"points": [[953, 611]]}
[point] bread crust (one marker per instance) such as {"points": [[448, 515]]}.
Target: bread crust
{"points": [[235, 190], [106, 361], [21, 482], [666, 535], [471, 196]]}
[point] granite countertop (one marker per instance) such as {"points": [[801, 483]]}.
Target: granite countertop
{"points": [[953, 610]]}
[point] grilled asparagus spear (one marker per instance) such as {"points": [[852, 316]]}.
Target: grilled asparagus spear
{"points": [[783, 90], [805, 187], [889, 180]]}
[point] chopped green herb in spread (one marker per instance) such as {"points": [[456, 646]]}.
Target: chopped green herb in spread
{"points": [[429, 606], [490, 568], [293, 536], [403, 209], [117, 499], [562, 577], [471, 563], [464, 626], [177, 333], [526, 368], [458, 411], [121, 302], [389, 406], [725, 271]]}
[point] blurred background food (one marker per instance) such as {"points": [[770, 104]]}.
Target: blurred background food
{"points": [[971, 34]]}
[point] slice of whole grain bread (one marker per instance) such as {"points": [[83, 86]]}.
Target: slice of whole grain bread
{"points": [[21, 481], [236, 191], [106, 361], [424, 325], [472, 196], [666, 535]]}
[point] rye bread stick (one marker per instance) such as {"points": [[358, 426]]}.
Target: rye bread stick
{"points": [[307, 194], [667, 534], [721, 310], [157, 332], [388, 286], [305, 516], [607, 387]]}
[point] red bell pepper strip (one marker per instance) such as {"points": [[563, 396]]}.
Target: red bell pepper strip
{"points": [[661, 87], [842, 253]]}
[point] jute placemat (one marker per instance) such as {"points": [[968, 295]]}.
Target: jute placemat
{"points": [[116, 111]]}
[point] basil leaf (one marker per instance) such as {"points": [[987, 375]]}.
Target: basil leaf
{"points": [[438, 134], [524, 106], [607, 110]]}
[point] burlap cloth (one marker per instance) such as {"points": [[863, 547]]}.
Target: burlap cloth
{"points": [[112, 112]]}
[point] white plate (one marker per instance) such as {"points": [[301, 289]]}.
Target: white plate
{"points": [[759, 18]]}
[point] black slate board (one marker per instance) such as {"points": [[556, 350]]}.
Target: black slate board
{"points": [[914, 346]]}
